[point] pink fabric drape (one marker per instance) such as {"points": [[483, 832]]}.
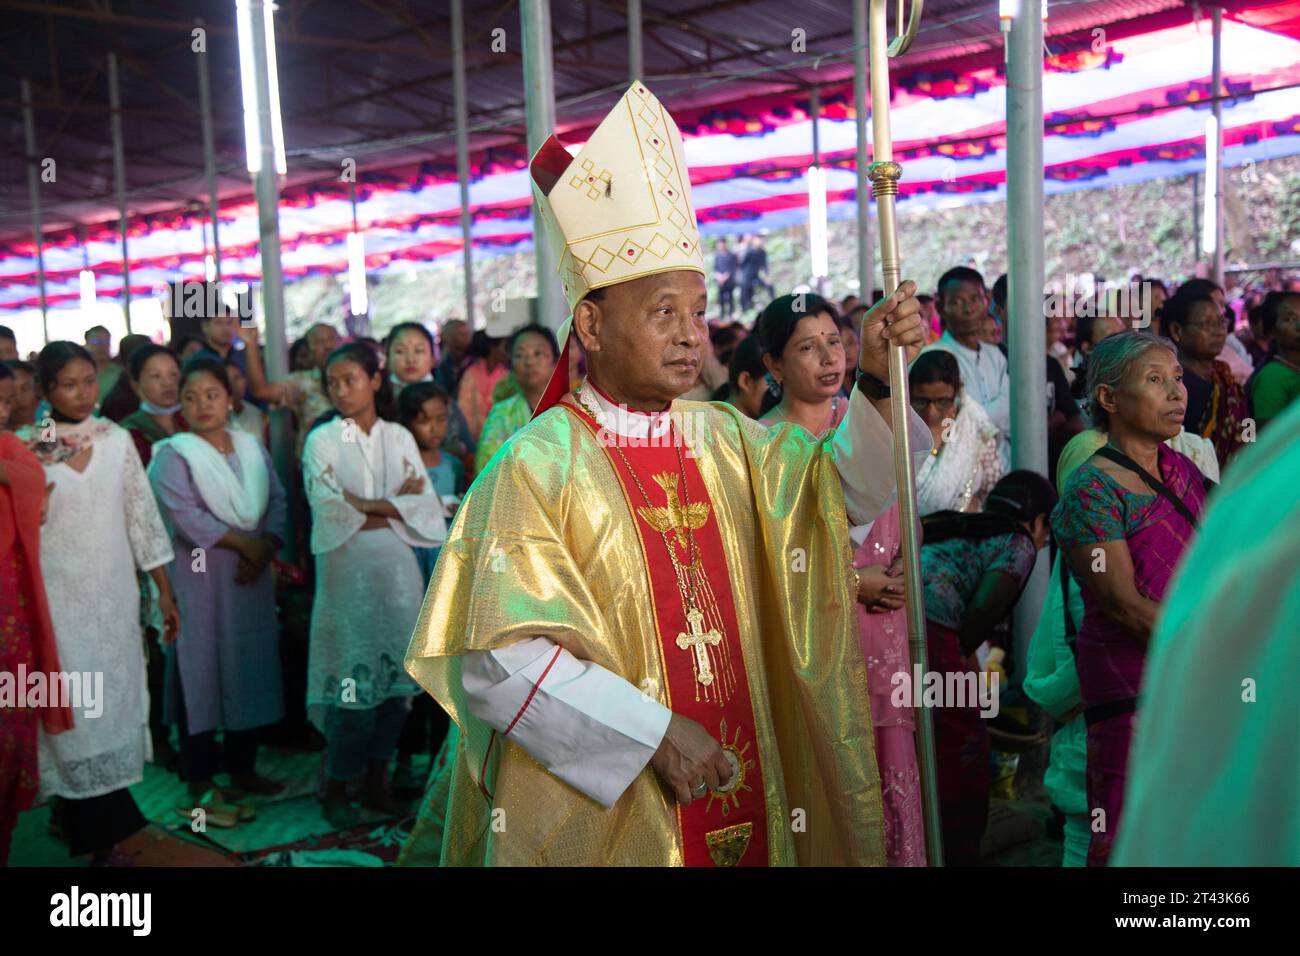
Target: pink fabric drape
{"points": [[884, 642]]}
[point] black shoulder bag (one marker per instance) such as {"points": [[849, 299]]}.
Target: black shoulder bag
{"points": [[1127, 705], [1152, 482]]}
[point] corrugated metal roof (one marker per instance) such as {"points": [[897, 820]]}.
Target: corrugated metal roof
{"points": [[376, 74]]}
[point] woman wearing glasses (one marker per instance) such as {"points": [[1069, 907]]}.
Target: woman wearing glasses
{"points": [[964, 465]]}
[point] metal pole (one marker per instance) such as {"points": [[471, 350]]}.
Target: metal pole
{"points": [[539, 103], [34, 191], [462, 151], [358, 323], [1216, 267], [635, 62], [885, 174], [1196, 217], [209, 152], [866, 269], [119, 180], [815, 115], [267, 190], [1026, 329]]}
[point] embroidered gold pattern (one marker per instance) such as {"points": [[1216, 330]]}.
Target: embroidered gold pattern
{"points": [[728, 845], [676, 521], [729, 794], [674, 517]]}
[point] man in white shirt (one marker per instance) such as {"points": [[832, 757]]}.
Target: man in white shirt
{"points": [[962, 303]]}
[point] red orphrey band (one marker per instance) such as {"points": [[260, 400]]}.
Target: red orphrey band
{"points": [[727, 827]]}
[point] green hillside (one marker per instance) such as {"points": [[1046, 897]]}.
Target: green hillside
{"points": [[1147, 228]]}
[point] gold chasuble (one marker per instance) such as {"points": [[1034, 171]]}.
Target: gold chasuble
{"points": [[710, 567], [551, 541]]}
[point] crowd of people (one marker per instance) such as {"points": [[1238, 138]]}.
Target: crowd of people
{"points": [[159, 457]]}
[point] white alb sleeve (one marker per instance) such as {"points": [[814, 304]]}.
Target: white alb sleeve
{"points": [[588, 726]]}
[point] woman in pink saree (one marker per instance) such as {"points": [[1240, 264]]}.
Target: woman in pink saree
{"points": [[1124, 520], [957, 476], [882, 625]]}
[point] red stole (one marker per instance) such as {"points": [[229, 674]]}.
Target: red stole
{"points": [[718, 829], [20, 527]]}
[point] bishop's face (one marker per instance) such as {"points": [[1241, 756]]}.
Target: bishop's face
{"points": [[644, 337]]}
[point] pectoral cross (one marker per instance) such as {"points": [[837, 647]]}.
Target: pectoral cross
{"points": [[699, 640]]}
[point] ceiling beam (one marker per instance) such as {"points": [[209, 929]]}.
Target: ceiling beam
{"points": [[67, 115], [738, 46], [686, 60], [564, 46], [190, 105], [218, 29], [409, 22], [54, 58]]}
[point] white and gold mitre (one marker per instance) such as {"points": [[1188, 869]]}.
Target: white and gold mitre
{"points": [[621, 208]]}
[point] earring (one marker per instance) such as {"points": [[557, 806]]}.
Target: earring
{"points": [[773, 385]]}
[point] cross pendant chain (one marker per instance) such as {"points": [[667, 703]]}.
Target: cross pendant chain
{"points": [[690, 575], [699, 640]]}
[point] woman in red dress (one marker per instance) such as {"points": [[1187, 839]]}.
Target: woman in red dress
{"points": [[26, 634]]}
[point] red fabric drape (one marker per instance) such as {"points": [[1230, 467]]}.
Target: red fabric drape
{"points": [[20, 527]]}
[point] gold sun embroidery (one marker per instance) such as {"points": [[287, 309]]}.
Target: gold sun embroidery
{"points": [[729, 796]]}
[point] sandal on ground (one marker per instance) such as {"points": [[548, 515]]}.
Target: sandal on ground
{"points": [[216, 811], [247, 809]]}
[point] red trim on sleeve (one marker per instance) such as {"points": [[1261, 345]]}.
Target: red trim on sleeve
{"points": [[532, 693], [482, 772]]}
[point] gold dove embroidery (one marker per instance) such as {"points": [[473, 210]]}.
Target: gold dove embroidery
{"points": [[674, 517]]}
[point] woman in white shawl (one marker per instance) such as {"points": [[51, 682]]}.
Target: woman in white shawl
{"points": [[964, 464], [225, 508], [371, 505]]}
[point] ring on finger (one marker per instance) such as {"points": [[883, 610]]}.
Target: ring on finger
{"points": [[699, 789]]}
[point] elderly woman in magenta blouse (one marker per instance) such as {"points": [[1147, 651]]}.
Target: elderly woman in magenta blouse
{"points": [[1123, 537]]}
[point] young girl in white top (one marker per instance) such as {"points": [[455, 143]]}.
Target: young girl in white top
{"points": [[371, 504]]}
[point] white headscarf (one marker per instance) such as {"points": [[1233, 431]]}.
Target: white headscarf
{"points": [[966, 466]]}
